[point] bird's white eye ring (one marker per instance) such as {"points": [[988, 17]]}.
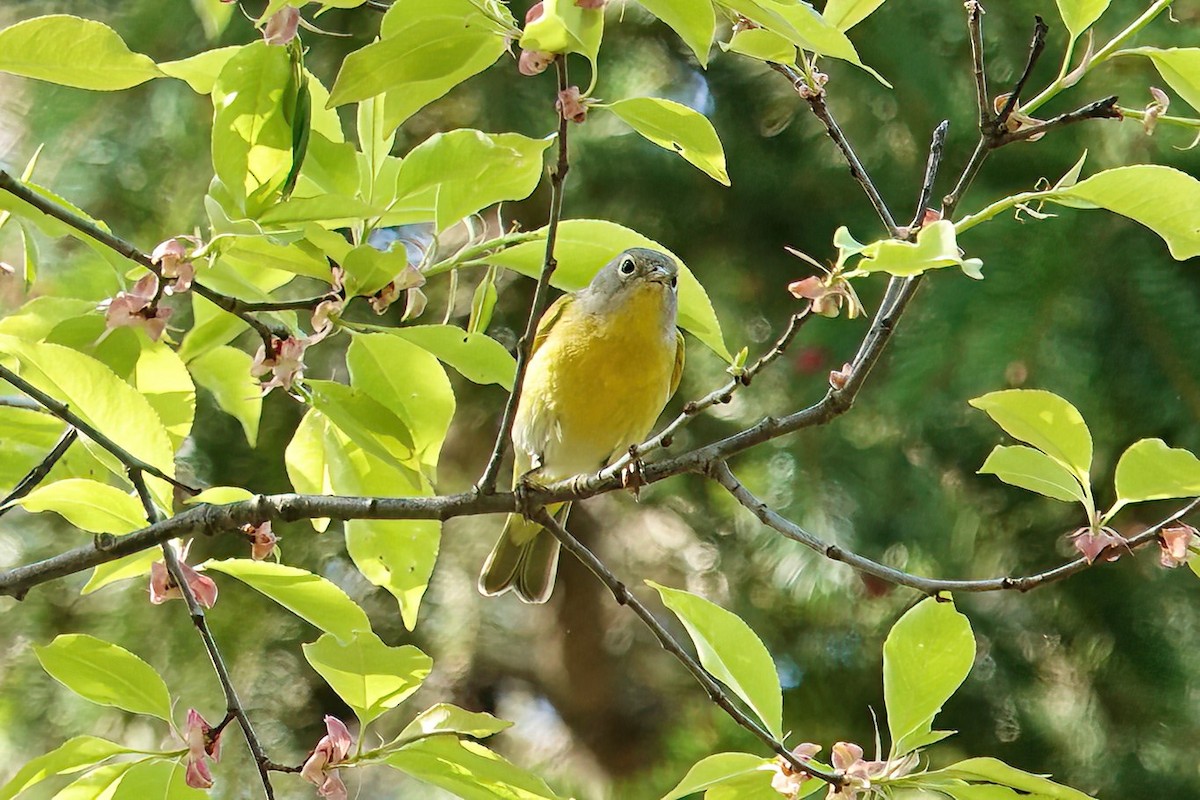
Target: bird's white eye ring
{"points": [[627, 266]]}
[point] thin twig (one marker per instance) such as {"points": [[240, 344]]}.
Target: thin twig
{"points": [[1100, 109], [721, 473], [715, 692], [230, 304], [233, 704], [61, 411], [975, 35], [41, 470], [932, 164], [558, 176], [1036, 46]]}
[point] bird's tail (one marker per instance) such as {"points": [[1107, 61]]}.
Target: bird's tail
{"points": [[525, 559]]}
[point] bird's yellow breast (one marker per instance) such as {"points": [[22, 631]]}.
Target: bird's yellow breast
{"points": [[597, 384]]}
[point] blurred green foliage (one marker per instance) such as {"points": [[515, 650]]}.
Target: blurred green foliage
{"points": [[1093, 680]]}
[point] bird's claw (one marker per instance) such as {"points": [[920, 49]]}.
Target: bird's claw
{"points": [[525, 486]]}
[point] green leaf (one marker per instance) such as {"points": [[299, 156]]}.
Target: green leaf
{"points": [[845, 14], [1141, 192], [994, 771], [201, 70], [926, 657], [1149, 470], [586, 245], [122, 569], [761, 44], [251, 137], [465, 171], [445, 718], [367, 674], [88, 504], [731, 652], [312, 598], [396, 555], [693, 20], [715, 770], [1031, 469], [99, 784], [475, 356], [30, 252], [72, 755], [211, 327], [563, 27], [1178, 66], [162, 378], [367, 269], [214, 16], [936, 246], [105, 674], [219, 496], [157, 780], [468, 770], [1079, 15], [673, 126], [483, 302], [225, 372], [368, 423], [1044, 420], [424, 53], [72, 52], [376, 143]]}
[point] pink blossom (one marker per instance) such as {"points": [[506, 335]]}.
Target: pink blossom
{"points": [[281, 27], [534, 62], [838, 378], [262, 540], [137, 309], [319, 768], [164, 588], [286, 362], [1158, 106], [787, 779], [171, 258], [534, 13], [1092, 543], [828, 296], [570, 105], [323, 316], [859, 774], [202, 745], [1175, 543]]}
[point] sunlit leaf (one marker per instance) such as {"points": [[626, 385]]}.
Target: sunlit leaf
{"points": [[72, 755], [936, 247], [1032, 469], [991, 770], [73, 52], [845, 14], [926, 657], [219, 496], [761, 44], [1150, 470], [731, 651], [314, 599], [467, 769], [98, 784], [1078, 15], [673, 126], [121, 569], [105, 674], [163, 380], [201, 70], [715, 770], [88, 504], [476, 357], [367, 674], [445, 718], [157, 780], [564, 27], [693, 20], [586, 245], [1044, 420], [225, 372]]}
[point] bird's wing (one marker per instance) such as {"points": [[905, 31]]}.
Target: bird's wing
{"points": [[677, 371], [546, 323]]}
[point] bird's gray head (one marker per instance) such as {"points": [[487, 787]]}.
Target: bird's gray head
{"points": [[636, 268]]}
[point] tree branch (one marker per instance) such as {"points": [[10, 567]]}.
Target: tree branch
{"points": [[61, 411], [1099, 109], [721, 473], [932, 164], [40, 471], [1036, 46], [558, 176], [715, 692]]}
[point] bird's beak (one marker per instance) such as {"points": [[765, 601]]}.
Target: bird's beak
{"points": [[660, 275]]}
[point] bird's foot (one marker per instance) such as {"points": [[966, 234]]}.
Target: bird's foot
{"points": [[527, 485]]}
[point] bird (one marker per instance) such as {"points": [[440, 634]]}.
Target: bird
{"points": [[604, 362]]}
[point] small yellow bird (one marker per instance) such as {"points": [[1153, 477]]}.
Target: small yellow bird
{"points": [[604, 362]]}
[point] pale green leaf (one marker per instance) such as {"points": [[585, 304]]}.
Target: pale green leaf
{"points": [[368, 423], [314, 599], [367, 674], [845, 14], [1150, 470], [673, 126], [763, 45], [1044, 420], [396, 555], [376, 142], [936, 247], [1032, 469], [225, 372], [157, 780], [219, 496], [1178, 66], [475, 356], [122, 569], [99, 784], [693, 20], [1079, 15], [27, 436], [715, 770], [163, 380], [333, 210], [731, 651], [105, 674], [445, 718], [564, 27], [991, 770], [72, 755], [88, 504], [201, 70], [1163, 199], [368, 269], [214, 16], [467, 171], [926, 657], [72, 52], [468, 770]]}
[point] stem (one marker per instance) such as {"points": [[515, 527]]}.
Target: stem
{"points": [[40, 471], [558, 175]]}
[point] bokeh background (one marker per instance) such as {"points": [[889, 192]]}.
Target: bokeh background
{"points": [[1096, 680]]}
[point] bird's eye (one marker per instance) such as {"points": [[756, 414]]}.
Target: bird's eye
{"points": [[627, 266]]}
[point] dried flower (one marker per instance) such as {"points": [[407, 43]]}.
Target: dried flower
{"points": [[281, 27], [1175, 543]]}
